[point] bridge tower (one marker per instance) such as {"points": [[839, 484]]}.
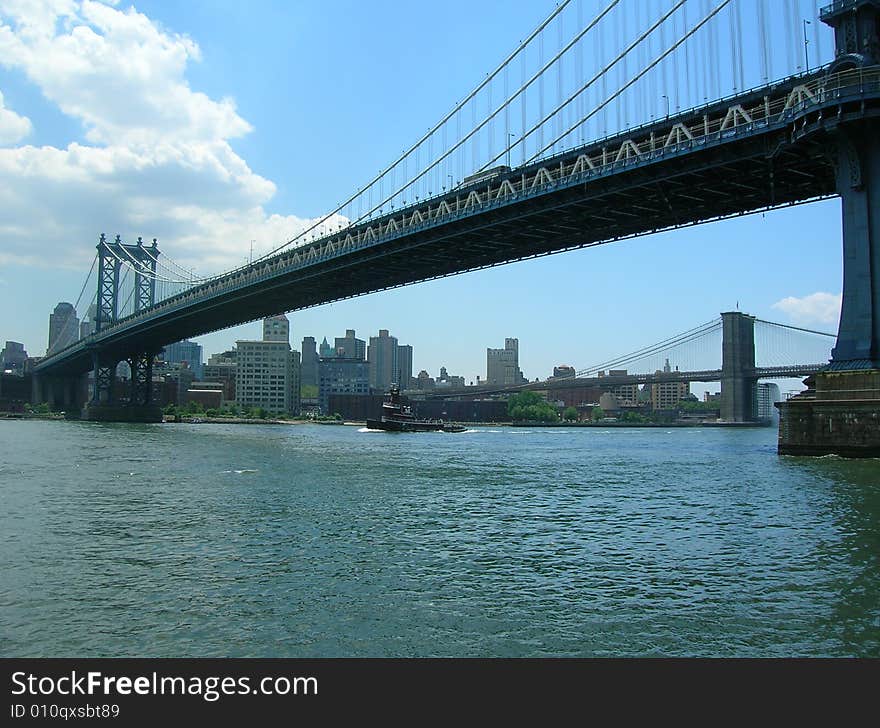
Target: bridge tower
{"points": [[139, 406], [839, 412], [856, 151], [738, 381]]}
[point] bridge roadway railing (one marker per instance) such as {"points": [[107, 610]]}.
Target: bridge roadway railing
{"points": [[757, 111], [706, 375]]}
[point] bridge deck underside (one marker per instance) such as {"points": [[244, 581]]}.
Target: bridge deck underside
{"points": [[745, 174]]}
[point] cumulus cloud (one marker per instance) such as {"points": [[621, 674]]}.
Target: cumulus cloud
{"points": [[817, 308], [155, 158], [13, 128]]}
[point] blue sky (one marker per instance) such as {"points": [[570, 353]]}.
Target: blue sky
{"points": [[211, 124]]}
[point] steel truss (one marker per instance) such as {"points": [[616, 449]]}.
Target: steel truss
{"points": [[105, 377], [141, 379]]}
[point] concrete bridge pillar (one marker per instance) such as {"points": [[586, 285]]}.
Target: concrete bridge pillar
{"points": [[65, 393], [858, 183], [38, 395], [856, 155], [840, 411], [738, 381]]}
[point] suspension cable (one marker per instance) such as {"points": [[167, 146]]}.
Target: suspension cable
{"points": [[85, 282], [505, 105], [678, 339], [143, 270], [797, 328], [427, 134], [597, 76], [629, 83]]}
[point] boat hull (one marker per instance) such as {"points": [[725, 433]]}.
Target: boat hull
{"points": [[412, 426]]}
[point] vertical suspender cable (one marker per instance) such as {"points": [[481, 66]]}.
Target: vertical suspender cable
{"points": [[739, 44], [676, 81], [762, 42]]}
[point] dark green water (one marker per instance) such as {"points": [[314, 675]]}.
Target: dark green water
{"points": [[214, 540]]}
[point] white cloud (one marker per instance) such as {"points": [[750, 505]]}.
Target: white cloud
{"points": [[817, 308], [155, 160], [13, 128]]}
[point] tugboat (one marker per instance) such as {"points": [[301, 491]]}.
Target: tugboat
{"points": [[397, 417]]}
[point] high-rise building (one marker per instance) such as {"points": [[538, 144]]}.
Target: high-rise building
{"points": [[424, 381], [325, 351], [341, 375], [564, 371], [267, 372], [221, 368], [384, 365], [626, 395], [88, 324], [502, 365], [309, 362], [666, 395], [63, 327], [185, 351], [276, 328], [449, 380], [13, 357], [404, 366], [186, 375], [228, 357], [295, 382], [350, 347], [767, 393]]}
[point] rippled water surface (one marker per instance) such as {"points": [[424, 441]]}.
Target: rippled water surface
{"points": [[299, 541]]}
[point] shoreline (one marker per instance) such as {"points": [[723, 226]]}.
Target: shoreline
{"points": [[196, 420]]}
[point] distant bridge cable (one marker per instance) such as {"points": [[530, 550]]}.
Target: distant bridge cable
{"points": [[85, 282], [796, 328], [124, 306], [172, 267], [666, 344], [189, 276], [131, 263], [189, 280]]}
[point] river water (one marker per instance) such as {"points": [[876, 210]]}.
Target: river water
{"points": [[309, 540]]}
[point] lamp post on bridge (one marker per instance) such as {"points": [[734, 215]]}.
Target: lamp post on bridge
{"points": [[667, 104], [806, 44]]}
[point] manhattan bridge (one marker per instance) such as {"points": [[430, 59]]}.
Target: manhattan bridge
{"points": [[609, 120]]}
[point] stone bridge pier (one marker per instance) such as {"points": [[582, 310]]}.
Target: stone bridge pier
{"points": [[61, 393]]}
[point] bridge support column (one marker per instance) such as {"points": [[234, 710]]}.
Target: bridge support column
{"points": [[141, 380], [840, 411], [858, 182], [739, 400], [61, 393], [139, 408], [38, 389]]}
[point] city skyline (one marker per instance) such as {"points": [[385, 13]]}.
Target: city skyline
{"points": [[785, 265], [352, 347]]}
